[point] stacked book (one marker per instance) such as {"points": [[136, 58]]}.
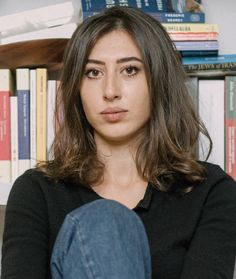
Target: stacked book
{"points": [[27, 122], [194, 39], [163, 10]]}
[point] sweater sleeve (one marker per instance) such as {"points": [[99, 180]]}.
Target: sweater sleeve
{"points": [[25, 239], [212, 252]]}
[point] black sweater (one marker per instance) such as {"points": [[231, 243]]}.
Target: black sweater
{"points": [[191, 237]]}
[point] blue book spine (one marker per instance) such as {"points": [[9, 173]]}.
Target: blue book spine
{"points": [[89, 6], [197, 53], [24, 124], [166, 17], [227, 58]]}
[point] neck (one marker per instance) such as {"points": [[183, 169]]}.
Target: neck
{"points": [[119, 160]]}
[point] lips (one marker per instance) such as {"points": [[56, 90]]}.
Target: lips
{"points": [[114, 114], [113, 110]]}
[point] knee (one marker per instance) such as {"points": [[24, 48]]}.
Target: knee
{"points": [[104, 211]]}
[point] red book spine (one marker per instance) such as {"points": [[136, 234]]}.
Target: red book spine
{"points": [[5, 144]]}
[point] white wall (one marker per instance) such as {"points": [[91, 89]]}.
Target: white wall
{"points": [[14, 6], [224, 14]]}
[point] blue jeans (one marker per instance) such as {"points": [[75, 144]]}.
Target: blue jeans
{"points": [[104, 240]]}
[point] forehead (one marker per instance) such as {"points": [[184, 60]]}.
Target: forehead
{"points": [[117, 42]]}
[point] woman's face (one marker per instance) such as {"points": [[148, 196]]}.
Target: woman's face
{"points": [[114, 91]]}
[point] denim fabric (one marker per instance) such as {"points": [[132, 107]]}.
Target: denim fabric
{"points": [[101, 240]]}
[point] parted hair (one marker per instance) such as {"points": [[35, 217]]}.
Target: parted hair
{"points": [[166, 154]]}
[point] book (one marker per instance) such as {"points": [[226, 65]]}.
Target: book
{"points": [[39, 18], [192, 86], [5, 133], [51, 124], [166, 17], [163, 11], [191, 28], [62, 31], [198, 53], [23, 95], [187, 6], [33, 122], [14, 138], [211, 111], [41, 134], [221, 62], [204, 36], [230, 125], [197, 45]]}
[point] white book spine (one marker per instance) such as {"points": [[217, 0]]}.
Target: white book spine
{"points": [[51, 104], [211, 111], [14, 138], [33, 113]]}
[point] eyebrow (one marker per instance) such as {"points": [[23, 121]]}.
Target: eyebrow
{"points": [[121, 60]]}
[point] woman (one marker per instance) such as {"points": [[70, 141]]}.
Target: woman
{"points": [[124, 170]]}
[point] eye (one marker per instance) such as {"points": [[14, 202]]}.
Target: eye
{"points": [[130, 71], [93, 73]]}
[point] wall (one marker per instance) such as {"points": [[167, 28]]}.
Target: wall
{"points": [[224, 14]]}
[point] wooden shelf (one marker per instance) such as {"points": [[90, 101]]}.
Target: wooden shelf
{"points": [[31, 54]]}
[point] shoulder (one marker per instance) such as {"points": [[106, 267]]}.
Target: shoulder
{"points": [[29, 188], [217, 185], [30, 181]]}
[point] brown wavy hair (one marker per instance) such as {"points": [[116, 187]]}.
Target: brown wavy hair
{"points": [[166, 152]]}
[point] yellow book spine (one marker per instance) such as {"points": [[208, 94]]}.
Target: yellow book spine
{"points": [[190, 27], [41, 131]]}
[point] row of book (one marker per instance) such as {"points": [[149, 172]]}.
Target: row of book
{"points": [[61, 19], [215, 99], [27, 123]]}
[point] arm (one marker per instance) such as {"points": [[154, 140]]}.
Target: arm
{"points": [[25, 239], [212, 252]]}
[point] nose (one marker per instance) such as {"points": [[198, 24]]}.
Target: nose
{"points": [[111, 88]]}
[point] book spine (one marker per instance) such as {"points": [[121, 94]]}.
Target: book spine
{"points": [[230, 125], [51, 103], [198, 53], [23, 94], [187, 28], [5, 142], [212, 66], [197, 45], [179, 17], [14, 137], [41, 138], [33, 118], [211, 111], [92, 6], [192, 86], [165, 17], [194, 36]]}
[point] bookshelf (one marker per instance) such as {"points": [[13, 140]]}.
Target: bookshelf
{"points": [[39, 53], [48, 53]]}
